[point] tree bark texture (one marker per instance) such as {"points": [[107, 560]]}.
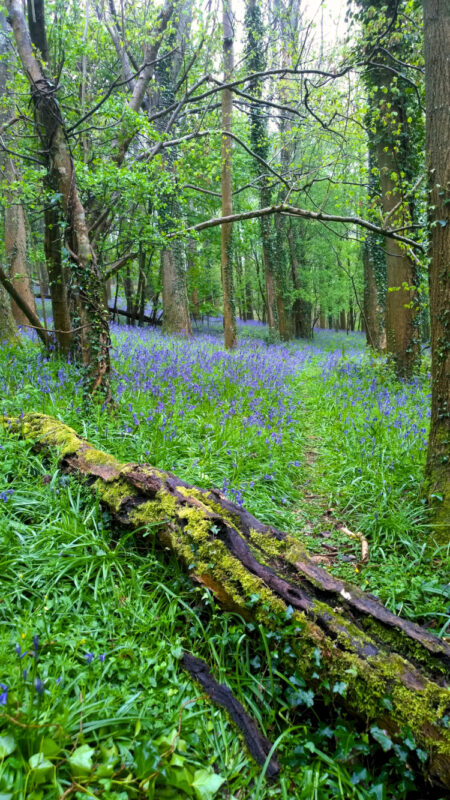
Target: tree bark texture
{"points": [[32, 317], [396, 673], [176, 317], [87, 284], [402, 321], [14, 215], [437, 82], [8, 327], [57, 278], [301, 308], [16, 246], [229, 311], [373, 312]]}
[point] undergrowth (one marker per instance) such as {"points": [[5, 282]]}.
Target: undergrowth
{"points": [[93, 699]]}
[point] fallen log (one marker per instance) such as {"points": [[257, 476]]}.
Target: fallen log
{"points": [[396, 674], [153, 320]]}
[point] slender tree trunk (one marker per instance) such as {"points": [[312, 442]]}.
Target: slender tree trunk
{"points": [[57, 276], [14, 218], [373, 313], [301, 308], [437, 82], [248, 293], [128, 289], [256, 63], [16, 247], [402, 329], [229, 311], [282, 280], [93, 340]]}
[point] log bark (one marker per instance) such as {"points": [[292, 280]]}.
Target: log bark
{"points": [[396, 673]]}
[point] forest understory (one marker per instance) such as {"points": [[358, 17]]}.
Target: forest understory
{"points": [[317, 439]]}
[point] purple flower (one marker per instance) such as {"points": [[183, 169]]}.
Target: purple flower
{"points": [[39, 686], [89, 657], [102, 657], [3, 695]]}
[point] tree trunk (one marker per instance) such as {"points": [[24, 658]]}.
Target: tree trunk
{"points": [[437, 81], [93, 340], [229, 311], [16, 247], [128, 289], [301, 309], [8, 328], [402, 331], [14, 218], [57, 276], [333, 631], [373, 313], [176, 317]]}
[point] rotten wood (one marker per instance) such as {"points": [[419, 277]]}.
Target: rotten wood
{"points": [[396, 673], [258, 746]]}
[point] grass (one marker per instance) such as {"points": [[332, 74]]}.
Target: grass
{"points": [[99, 704]]}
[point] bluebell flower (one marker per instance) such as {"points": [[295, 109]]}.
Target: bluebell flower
{"points": [[102, 657], [39, 686], [89, 657], [3, 694]]}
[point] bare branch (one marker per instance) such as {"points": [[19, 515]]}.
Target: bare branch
{"points": [[293, 211]]}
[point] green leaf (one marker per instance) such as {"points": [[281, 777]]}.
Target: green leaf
{"points": [[147, 759], [381, 737], [41, 767], [81, 760], [7, 745], [206, 783]]}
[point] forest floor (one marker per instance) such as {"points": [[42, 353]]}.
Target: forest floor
{"points": [[309, 436]]}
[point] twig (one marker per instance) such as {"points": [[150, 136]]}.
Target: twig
{"points": [[362, 539]]}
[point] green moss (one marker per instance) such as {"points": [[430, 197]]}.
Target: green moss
{"points": [[41, 427], [93, 456], [208, 503], [115, 492], [146, 470], [157, 510], [403, 644]]}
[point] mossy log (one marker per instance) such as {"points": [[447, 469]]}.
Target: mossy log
{"points": [[396, 673]]}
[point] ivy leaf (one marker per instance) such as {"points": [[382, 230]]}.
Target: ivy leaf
{"points": [[41, 767], [7, 745], [381, 737], [206, 783], [81, 760]]}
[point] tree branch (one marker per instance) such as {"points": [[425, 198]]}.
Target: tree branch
{"points": [[299, 212]]}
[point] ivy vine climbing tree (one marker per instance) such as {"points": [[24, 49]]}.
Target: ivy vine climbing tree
{"points": [[437, 81], [92, 340]]}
